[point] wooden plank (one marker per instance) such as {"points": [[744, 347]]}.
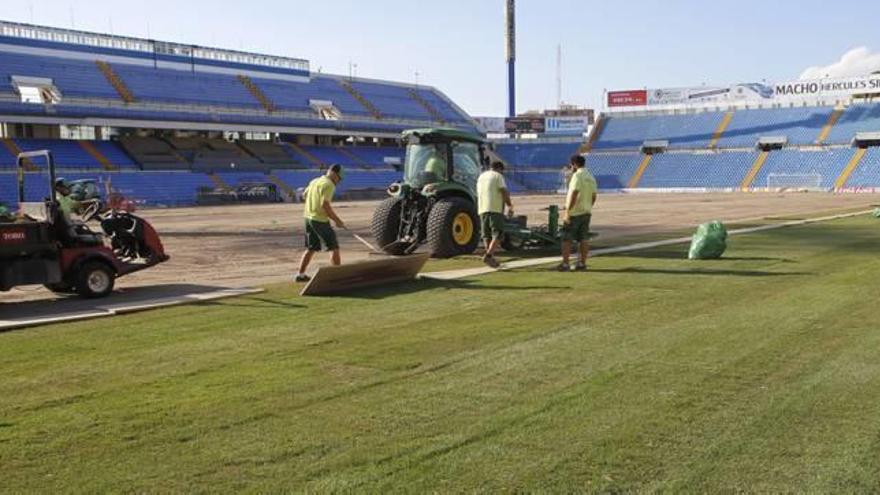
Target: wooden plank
{"points": [[363, 274]]}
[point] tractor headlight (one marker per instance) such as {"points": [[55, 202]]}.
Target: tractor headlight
{"points": [[428, 190]]}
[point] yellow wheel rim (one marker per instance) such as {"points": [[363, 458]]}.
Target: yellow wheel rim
{"points": [[462, 229]]}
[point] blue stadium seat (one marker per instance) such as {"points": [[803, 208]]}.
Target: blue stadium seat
{"points": [[72, 77], [68, 154], [682, 131], [537, 155], [146, 188], [800, 125], [826, 165], [857, 118], [354, 179], [210, 92], [716, 170], [175, 86], [613, 171], [867, 174]]}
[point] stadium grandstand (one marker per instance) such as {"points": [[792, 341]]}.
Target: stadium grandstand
{"points": [[800, 145], [160, 120]]}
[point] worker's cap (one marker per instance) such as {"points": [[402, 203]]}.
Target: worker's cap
{"points": [[61, 182], [337, 169]]}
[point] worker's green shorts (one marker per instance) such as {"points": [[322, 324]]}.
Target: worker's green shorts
{"points": [[492, 225], [577, 229], [320, 234]]}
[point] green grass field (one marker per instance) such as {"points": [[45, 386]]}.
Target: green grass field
{"points": [[759, 372]]}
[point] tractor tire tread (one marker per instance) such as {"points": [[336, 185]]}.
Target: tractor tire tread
{"points": [[440, 242]]}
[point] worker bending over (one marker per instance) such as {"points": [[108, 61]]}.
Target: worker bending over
{"points": [[492, 195], [318, 212], [578, 212]]}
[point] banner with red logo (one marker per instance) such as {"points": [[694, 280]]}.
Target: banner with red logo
{"points": [[630, 98]]}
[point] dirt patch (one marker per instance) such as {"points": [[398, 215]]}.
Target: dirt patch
{"points": [[238, 246]]}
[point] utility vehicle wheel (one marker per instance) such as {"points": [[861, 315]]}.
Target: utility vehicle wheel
{"points": [[453, 228], [94, 279], [61, 288], [385, 226]]}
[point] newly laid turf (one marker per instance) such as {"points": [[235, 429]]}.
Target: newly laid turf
{"points": [[760, 372]]}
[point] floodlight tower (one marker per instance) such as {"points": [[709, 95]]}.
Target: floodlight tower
{"points": [[511, 57]]}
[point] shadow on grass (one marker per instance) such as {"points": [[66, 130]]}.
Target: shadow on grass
{"points": [[673, 254], [699, 272], [251, 302], [417, 286]]}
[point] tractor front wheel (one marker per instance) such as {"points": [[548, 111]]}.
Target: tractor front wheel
{"points": [[385, 226], [453, 228]]}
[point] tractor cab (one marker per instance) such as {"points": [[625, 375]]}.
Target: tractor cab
{"points": [[435, 204], [443, 157]]}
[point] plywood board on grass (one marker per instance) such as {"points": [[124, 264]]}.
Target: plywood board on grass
{"points": [[340, 279]]}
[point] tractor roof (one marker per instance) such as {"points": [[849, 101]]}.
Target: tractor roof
{"points": [[445, 132]]}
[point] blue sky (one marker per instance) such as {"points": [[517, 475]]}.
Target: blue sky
{"points": [[458, 45]]}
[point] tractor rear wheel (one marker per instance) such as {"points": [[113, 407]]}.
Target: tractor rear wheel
{"points": [[385, 226], [94, 279], [453, 228]]}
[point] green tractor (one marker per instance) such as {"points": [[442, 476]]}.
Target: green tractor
{"points": [[436, 203]]}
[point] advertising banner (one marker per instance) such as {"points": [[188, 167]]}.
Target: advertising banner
{"points": [[710, 94], [524, 125], [628, 98], [492, 125], [841, 87], [566, 125], [749, 92]]}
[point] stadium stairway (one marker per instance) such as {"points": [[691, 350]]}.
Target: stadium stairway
{"points": [[314, 160], [374, 111], [719, 131], [756, 168], [637, 177], [354, 158], [826, 130], [116, 81], [867, 173], [218, 181], [853, 164], [15, 150], [97, 155], [594, 135], [257, 93], [427, 106]]}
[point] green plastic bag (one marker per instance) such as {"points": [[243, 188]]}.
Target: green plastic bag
{"points": [[876, 213], [709, 243]]}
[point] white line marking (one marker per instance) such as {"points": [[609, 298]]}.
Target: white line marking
{"points": [[123, 308], [472, 272]]}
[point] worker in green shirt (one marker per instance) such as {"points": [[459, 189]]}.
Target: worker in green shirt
{"points": [[66, 203], [492, 195], [318, 212], [582, 193], [435, 167]]}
